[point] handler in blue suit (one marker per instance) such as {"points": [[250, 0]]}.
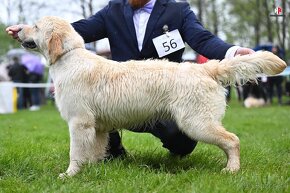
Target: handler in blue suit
{"points": [[131, 26]]}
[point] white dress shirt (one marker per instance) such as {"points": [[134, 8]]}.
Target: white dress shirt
{"points": [[140, 18], [140, 22]]}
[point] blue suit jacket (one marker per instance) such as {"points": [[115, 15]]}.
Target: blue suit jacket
{"points": [[115, 22]]}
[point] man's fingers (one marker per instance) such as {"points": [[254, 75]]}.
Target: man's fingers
{"points": [[244, 51], [251, 51], [13, 31], [14, 27]]}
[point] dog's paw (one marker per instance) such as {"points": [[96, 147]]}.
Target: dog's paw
{"points": [[69, 173], [230, 170], [63, 176]]}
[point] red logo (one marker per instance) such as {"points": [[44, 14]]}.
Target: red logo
{"points": [[278, 10]]}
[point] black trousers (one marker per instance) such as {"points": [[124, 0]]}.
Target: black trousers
{"points": [[275, 81], [167, 131]]}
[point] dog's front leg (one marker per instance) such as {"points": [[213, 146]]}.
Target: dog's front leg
{"points": [[86, 145]]}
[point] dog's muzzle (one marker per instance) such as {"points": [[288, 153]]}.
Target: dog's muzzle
{"points": [[29, 44]]}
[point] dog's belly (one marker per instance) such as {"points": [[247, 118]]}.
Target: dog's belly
{"points": [[109, 114], [128, 117]]}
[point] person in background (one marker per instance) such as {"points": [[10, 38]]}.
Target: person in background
{"points": [[135, 29], [36, 69], [18, 74], [287, 88], [275, 81], [35, 92]]}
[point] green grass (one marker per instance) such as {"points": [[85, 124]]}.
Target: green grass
{"points": [[34, 149]]}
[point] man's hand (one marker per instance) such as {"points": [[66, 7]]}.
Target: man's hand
{"points": [[13, 31], [244, 51]]}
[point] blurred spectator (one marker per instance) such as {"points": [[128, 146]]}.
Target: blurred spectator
{"points": [[287, 87], [18, 74], [35, 92], [36, 69], [275, 81]]}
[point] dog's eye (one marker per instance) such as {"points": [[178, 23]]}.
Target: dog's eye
{"points": [[35, 27]]}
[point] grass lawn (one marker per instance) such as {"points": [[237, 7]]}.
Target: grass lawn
{"points": [[34, 149]]}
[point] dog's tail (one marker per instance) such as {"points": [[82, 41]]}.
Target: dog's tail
{"points": [[241, 69]]}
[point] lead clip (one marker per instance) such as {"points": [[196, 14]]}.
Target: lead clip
{"points": [[166, 30]]}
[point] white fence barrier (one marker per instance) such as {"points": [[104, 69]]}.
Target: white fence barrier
{"points": [[8, 98], [8, 94]]}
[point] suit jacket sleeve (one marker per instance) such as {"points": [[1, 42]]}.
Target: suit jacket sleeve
{"points": [[200, 39], [93, 28]]}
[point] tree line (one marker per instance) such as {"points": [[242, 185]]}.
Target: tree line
{"points": [[247, 22]]}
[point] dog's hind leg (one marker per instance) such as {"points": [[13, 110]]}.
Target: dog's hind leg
{"points": [[86, 145], [216, 134]]}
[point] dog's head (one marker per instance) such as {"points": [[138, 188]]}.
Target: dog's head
{"points": [[52, 36]]}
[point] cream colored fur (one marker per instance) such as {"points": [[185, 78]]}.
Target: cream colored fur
{"points": [[95, 95]]}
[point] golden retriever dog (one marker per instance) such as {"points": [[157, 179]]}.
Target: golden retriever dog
{"points": [[96, 95]]}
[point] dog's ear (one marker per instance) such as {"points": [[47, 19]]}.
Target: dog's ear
{"points": [[55, 47]]}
